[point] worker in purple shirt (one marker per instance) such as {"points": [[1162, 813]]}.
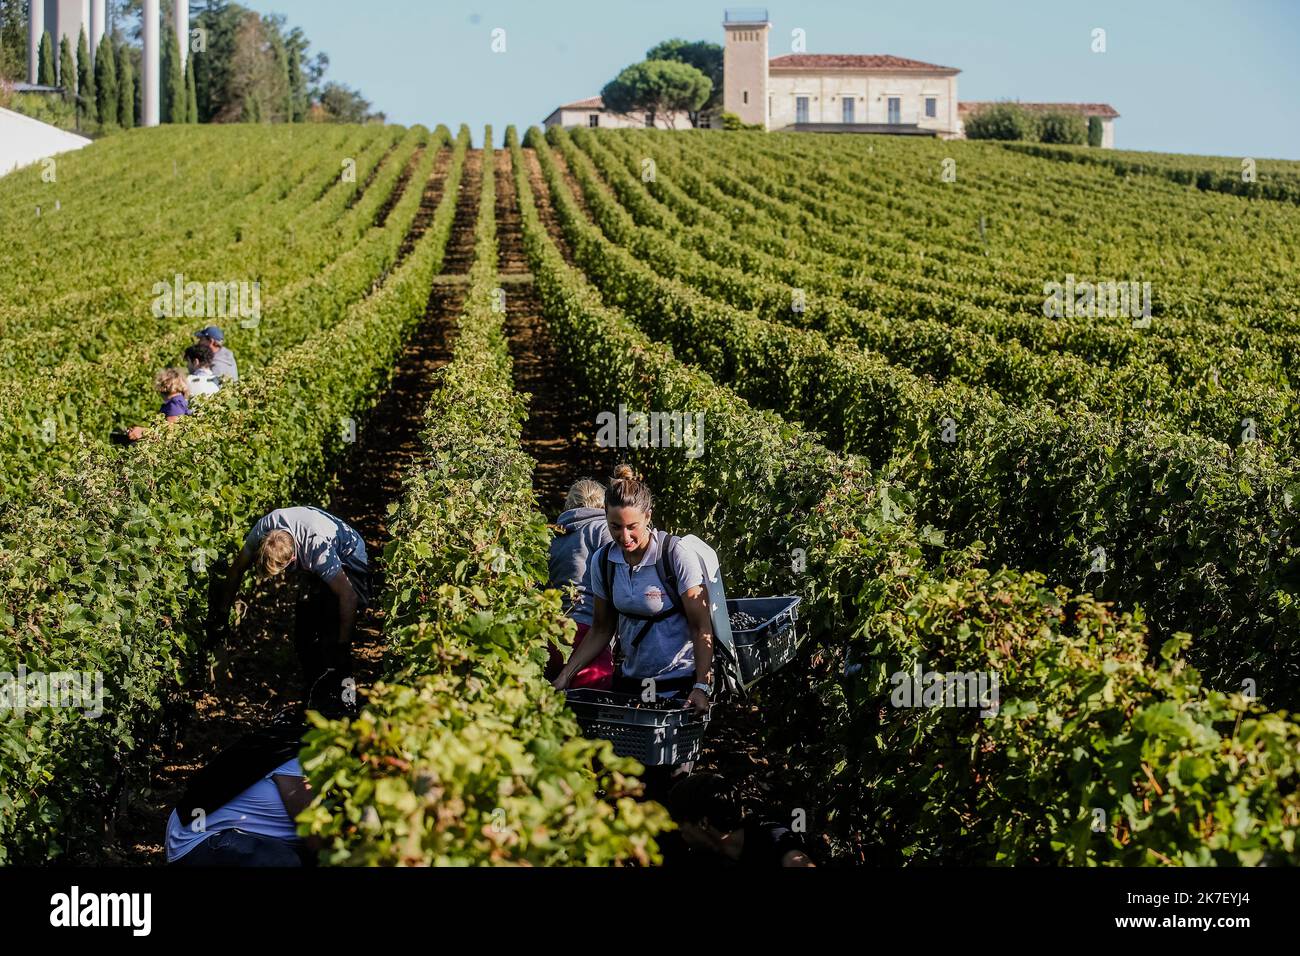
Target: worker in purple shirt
{"points": [[173, 385]]}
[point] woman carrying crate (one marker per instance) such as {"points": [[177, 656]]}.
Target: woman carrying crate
{"points": [[648, 588]]}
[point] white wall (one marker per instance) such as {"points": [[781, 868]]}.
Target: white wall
{"points": [[608, 120], [24, 140], [870, 92], [1108, 133], [150, 63]]}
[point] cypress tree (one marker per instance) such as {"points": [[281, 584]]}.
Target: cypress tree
{"points": [[46, 75], [106, 83], [67, 67], [284, 95], [126, 91], [191, 92], [86, 79], [297, 95], [173, 94]]}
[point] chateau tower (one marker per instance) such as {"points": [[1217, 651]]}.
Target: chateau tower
{"points": [[744, 65]]}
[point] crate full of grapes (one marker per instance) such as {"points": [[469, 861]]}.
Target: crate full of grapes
{"points": [[662, 731], [764, 633]]}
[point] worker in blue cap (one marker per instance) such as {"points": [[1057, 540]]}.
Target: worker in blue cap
{"points": [[223, 360]]}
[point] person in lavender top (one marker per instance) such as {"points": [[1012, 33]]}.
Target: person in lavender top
{"points": [[173, 385]]}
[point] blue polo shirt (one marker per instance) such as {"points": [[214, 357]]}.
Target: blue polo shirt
{"points": [[666, 651]]}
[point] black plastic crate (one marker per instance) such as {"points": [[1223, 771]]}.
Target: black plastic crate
{"points": [[772, 644], [655, 735]]}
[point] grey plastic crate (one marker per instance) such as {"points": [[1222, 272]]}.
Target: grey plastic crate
{"points": [[654, 737], [770, 646]]}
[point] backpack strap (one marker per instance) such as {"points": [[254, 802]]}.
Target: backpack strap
{"points": [[607, 575], [666, 568]]}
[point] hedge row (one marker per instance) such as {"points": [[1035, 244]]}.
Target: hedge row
{"points": [[944, 268], [1141, 386], [1277, 180], [211, 227], [891, 193]]}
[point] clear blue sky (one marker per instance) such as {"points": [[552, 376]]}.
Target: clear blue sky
{"points": [[1197, 76]]}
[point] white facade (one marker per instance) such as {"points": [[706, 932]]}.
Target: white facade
{"points": [[24, 140], [61, 19], [863, 93], [98, 25], [73, 16], [802, 90], [1107, 133], [181, 22], [869, 92], [591, 112]]}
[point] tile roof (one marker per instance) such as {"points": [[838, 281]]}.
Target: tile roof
{"points": [[1104, 110], [590, 103], [852, 61]]}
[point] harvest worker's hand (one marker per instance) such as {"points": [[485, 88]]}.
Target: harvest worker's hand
{"points": [[699, 700]]}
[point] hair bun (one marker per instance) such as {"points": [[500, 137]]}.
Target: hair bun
{"points": [[625, 473]]}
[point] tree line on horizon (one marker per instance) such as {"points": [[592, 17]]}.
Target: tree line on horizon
{"points": [[243, 67]]}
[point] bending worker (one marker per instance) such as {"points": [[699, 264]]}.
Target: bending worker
{"points": [[329, 557]]}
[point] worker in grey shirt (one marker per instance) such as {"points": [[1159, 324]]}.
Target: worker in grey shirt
{"points": [[581, 530], [330, 559], [223, 360]]}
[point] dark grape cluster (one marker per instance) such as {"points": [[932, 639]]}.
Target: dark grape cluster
{"points": [[741, 621]]}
